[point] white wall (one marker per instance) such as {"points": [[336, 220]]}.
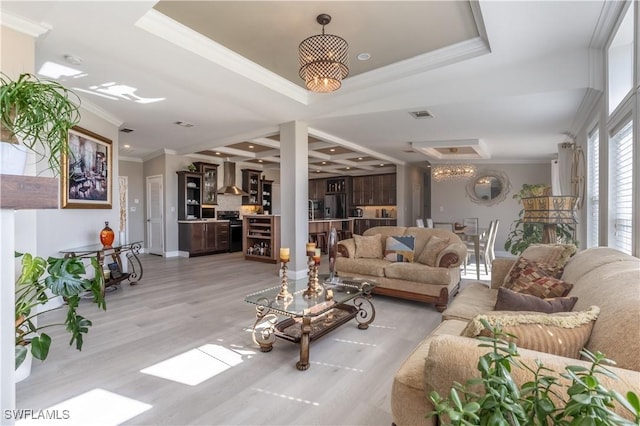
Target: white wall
{"points": [[133, 170], [450, 203]]}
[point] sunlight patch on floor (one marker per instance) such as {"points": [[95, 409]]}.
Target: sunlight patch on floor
{"points": [[95, 407], [353, 342], [197, 365], [342, 367]]}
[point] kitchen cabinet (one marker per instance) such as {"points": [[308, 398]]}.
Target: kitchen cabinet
{"points": [[317, 189], [267, 195], [189, 195], [209, 183], [203, 237], [361, 225], [374, 190], [261, 240], [251, 185]]}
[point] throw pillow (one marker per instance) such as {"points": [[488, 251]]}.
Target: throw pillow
{"points": [[509, 300], [432, 249], [536, 279], [368, 247], [554, 255], [400, 249], [562, 333]]}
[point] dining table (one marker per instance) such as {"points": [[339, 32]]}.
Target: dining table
{"points": [[474, 236]]}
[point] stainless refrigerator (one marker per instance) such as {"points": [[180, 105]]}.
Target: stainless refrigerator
{"points": [[335, 206]]}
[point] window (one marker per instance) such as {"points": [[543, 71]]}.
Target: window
{"points": [[593, 188], [620, 61], [621, 189]]}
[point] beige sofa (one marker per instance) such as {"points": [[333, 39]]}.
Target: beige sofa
{"points": [[602, 277], [414, 280]]}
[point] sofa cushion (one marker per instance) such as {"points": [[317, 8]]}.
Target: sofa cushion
{"points": [[418, 273], [536, 279], [562, 333], [369, 267], [475, 298], [399, 248], [432, 249], [368, 247], [509, 300]]}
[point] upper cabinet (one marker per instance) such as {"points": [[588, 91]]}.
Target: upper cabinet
{"points": [[375, 190], [317, 189], [209, 182], [189, 195], [251, 185], [267, 195]]}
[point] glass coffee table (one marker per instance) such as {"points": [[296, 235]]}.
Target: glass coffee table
{"points": [[309, 318]]}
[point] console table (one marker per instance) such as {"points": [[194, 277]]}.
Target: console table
{"points": [[309, 318], [102, 253]]}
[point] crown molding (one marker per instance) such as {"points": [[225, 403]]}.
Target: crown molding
{"points": [[585, 110], [607, 22], [101, 113], [25, 26], [131, 159]]}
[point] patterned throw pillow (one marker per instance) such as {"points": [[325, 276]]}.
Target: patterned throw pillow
{"points": [[562, 333], [554, 255], [536, 279], [431, 250], [509, 300], [400, 249], [368, 247]]}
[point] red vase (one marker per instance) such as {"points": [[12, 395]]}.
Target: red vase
{"points": [[106, 235]]}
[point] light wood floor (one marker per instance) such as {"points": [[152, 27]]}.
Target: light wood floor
{"points": [[184, 304]]}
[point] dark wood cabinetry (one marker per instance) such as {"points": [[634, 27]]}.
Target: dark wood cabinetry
{"points": [[266, 189], [375, 190], [317, 189], [189, 195], [209, 183], [203, 237], [361, 225], [261, 238], [251, 185]]}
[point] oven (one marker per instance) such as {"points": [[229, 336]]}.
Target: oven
{"points": [[235, 229]]}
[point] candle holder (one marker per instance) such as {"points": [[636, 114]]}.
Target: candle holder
{"points": [[284, 294], [313, 286]]}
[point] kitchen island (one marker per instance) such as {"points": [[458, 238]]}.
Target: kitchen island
{"points": [[325, 225]]}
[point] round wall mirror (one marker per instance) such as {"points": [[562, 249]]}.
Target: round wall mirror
{"points": [[488, 187]]}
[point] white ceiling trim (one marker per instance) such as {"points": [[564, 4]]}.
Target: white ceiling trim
{"points": [[355, 147], [429, 148], [172, 31], [96, 110], [216, 145], [23, 25]]}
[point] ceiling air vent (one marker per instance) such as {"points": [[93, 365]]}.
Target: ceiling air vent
{"points": [[421, 114], [126, 130]]}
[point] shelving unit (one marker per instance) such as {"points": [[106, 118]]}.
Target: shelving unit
{"points": [[251, 185], [261, 240], [267, 195], [189, 195]]}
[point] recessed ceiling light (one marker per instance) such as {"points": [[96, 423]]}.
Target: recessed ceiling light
{"points": [[259, 161], [317, 171], [381, 164], [332, 150], [324, 162], [251, 146], [348, 168], [364, 56], [183, 124], [360, 158], [126, 146], [217, 153]]}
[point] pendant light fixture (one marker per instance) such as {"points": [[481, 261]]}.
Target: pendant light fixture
{"points": [[324, 60]]}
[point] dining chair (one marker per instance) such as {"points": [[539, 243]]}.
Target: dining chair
{"points": [[486, 251], [420, 223], [444, 225], [429, 222]]}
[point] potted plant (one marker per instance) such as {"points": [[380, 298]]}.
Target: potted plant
{"points": [[65, 278], [523, 234], [38, 114], [495, 398]]}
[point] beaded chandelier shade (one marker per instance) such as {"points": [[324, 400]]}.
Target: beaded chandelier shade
{"points": [[453, 172], [324, 60]]}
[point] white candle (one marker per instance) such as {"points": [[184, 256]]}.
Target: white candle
{"points": [[284, 254]]}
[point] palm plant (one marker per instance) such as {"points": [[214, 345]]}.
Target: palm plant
{"points": [[38, 113], [65, 279]]}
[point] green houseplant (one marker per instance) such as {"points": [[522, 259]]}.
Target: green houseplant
{"points": [[38, 114], [495, 399], [522, 234], [65, 278]]}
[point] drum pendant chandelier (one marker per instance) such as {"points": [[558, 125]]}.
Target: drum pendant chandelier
{"points": [[324, 60]]}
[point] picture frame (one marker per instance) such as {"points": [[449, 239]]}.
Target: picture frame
{"points": [[87, 171]]}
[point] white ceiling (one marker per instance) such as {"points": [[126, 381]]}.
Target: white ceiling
{"points": [[515, 83]]}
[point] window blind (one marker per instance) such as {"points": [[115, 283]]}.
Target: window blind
{"points": [[593, 188], [622, 189]]}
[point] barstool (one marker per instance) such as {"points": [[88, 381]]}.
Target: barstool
{"points": [[344, 234], [320, 238]]}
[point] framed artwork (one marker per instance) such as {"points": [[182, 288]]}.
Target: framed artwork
{"points": [[86, 177]]}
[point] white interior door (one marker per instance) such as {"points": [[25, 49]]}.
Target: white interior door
{"points": [[155, 218]]}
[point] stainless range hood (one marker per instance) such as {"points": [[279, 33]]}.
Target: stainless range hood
{"points": [[229, 180]]}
